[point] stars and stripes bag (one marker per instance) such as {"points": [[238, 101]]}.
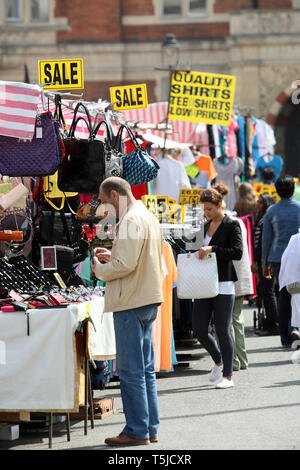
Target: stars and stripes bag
{"points": [[138, 166]]}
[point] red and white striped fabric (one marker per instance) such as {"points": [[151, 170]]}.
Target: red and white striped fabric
{"points": [[183, 131], [18, 109]]}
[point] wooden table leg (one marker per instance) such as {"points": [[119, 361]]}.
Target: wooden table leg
{"points": [[50, 429], [91, 398], [68, 426], [86, 401]]}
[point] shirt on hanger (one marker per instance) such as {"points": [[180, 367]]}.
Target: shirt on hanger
{"points": [[275, 163], [227, 175], [205, 163], [171, 178]]}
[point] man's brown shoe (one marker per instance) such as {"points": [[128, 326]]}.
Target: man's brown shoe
{"points": [[154, 439], [123, 440]]}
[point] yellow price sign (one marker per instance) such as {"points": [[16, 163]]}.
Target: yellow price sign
{"points": [[163, 208], [261, 188], [61, 74], [189, 196], [129, 97], [151, 204], [171, 201], [177, 212]]}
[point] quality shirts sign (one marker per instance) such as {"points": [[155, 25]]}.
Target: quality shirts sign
{"points": [[201, 97]]}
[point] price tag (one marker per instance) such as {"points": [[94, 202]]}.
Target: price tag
{"points": [[189, 196], [163, 208], [261, 188], [177, 214], [151, 204], [171, 201]]}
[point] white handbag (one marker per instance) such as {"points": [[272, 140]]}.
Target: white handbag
{"points": [[197, 279]]}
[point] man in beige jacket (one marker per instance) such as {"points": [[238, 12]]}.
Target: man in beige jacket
{"points": [[132, 272]]}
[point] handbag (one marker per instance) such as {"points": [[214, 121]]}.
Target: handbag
{"points": [[83, 168], [87, 213], [52, 191], [293, 288], [15, 227], [52, 230], [113, 157], [38, 157], [197, 279], [138, 166], [11, 198]]}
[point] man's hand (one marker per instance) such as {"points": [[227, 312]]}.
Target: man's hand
{"points": [[267, 272], [204, 251], [102, 255]]}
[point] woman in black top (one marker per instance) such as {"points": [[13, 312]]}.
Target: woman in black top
{"points": [[223, 236]]}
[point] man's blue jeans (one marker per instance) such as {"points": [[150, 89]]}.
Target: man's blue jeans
{"points": [[135, 367]]}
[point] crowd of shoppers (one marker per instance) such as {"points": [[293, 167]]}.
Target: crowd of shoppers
{"points": [[135, 263], [273, 226]]}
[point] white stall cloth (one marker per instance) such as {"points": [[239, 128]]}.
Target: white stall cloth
{"points": [[37, 372]]}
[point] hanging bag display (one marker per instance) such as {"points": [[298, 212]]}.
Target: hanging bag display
{"points": [[197, 279], [138, 166], [16, 228], [113, 157], [38, 157], [12, 197], [83, 168]]}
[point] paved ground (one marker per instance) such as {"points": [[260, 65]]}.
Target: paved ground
{"points": [[260, 412]]}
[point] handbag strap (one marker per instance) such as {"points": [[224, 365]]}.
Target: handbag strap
{"points": [[108, 131], [63, 198], [75, 120], [66, 228], [74, 125], [58, 114], [131, 135]]}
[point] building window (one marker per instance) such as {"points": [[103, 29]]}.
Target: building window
{"points": [[171, 7], [39, 10], [13, 10], [196, 7]]}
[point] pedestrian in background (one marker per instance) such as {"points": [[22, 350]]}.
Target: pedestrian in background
{"points": [[265, 286], [246, 200], [281, 221], [243, 286]]}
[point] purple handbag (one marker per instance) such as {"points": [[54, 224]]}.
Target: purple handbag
{"points": [[38, 157]]}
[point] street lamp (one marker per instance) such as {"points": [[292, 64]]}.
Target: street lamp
{"points": [[170, 51], [170, 59]]}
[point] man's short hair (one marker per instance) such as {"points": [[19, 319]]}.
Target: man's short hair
{"points": [[285, 187], [114, 183], [268, 174]]}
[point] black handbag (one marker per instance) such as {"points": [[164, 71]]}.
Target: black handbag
{"points": [[52, 228], [83, 167]]}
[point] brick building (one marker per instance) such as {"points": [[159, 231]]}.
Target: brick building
{"points": [[120, 42]]}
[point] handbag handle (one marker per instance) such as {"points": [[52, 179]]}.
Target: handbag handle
{"points": [[75, 120], [108, 133], [73, 129], [131, 135], [58, 114]]}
